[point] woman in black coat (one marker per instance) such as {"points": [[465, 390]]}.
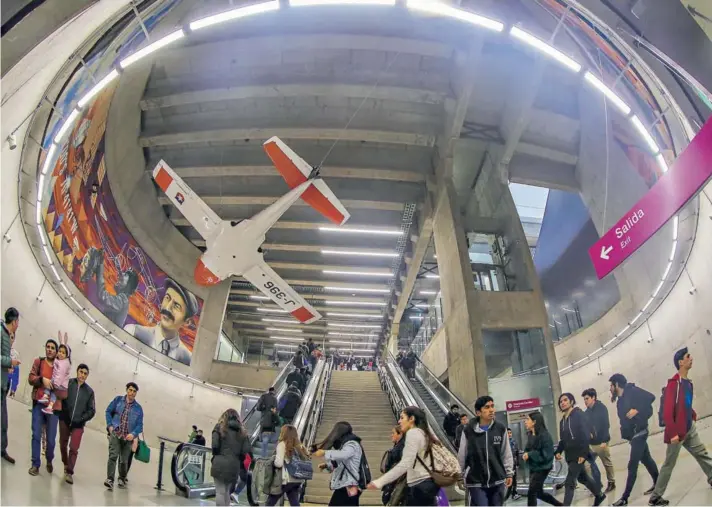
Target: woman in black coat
{"points": [[391, 459], [230, 446]]}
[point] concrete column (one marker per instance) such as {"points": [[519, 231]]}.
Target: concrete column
{"points": [[211, 322], [392, 345], [467, 371]]}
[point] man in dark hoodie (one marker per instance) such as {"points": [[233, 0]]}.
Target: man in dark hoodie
{"points": [[296, 376], [575, 438], [680, 429], [290, 403], [267, 404], [600, 425], [78, 409], [451, 422], [485, 456], [634, 406]]}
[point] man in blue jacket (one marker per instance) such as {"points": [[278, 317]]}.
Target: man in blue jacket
{"points": [[600, 425], [124, 423]]}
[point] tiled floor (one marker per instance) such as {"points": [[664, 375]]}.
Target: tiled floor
{"points": [[687, 487]]}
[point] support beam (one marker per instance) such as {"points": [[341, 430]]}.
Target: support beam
{"points": [[321, 296], [419, 250], [262, 134], [285, 247], [330, 283], [266, 201], [321, 308]]}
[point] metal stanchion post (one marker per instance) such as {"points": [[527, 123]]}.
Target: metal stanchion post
{"points": [[159, 484]]}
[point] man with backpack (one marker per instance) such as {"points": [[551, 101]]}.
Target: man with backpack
{"points": [[680, 430], [485, 456], [267, 405], [634, 406]]}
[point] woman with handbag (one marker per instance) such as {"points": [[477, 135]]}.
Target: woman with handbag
{"points": [[342, 451], [390, 459], [290, 455], [230, 445], [421, 489]]}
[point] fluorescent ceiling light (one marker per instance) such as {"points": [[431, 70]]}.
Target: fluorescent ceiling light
{"points": [[88, 316], [283, 330], [434, 277], [442, 9], [54, 272], [47, 255], [98, 87], [672, 252], [352, 334], [241, 12], [101, 327], [352, 289], [363, 326], [330, 342], [172, 37], [416, 317], [428, 293], [357, 252], [675, 223], [356, 315], [647, 137], [389, 232], [38, 212], [76, 303], [270, 310], [40, 184], [357, 273], [617, 101], [261, 298], [286, 338], [660, 286], [422, 305], [66, 125], [301, 3], [635, 319], [283, 321], [650, 301], [667, 270], [545, 48], [49, 158], [355, 303], [662, 163], [64, 288]]}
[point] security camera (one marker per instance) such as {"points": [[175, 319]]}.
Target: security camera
{"points": [[693, 289], [7, 237], [39, 299], [12, 141]]}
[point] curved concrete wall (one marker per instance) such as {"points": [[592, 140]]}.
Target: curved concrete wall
{"points": [[171, 404]]}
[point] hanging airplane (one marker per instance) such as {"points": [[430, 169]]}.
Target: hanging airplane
{"points": [[234, 247]]}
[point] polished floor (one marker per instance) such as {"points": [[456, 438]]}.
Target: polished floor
{"points": [[687, 487]]}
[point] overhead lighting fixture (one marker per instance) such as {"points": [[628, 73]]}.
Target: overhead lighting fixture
{"points": [[357, 273], [351, 334], [672, 252], [141, 53], [331, 342], [647, 136], [49, 158], [283, 330], [54, 272], [353, 289], [662, 163], [241, 12], [667, 270], [545, 48], [442, 9], [355, 315], [101, 327], [422, 305], [362, 326], [283, 321], [97, 88], [270, 310], [355, 303], [47, 255], [38, 212], [287, 338], [66, 125], [302, 3], [434, 277], [416, 317], [346, 230], [261, 298], [40, 186], [617, 101], [76, 303], [357, 252], [64, 288], [675, 224], [428, 293]]}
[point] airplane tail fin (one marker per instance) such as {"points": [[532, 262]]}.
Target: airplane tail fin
{"points": [[296, 171]]}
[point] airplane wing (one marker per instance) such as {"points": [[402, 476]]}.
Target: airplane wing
{"points": [[193, 208], [296, 171], [266, 280]]}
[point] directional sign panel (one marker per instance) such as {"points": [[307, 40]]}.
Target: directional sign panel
{"points": [[689, 173]]}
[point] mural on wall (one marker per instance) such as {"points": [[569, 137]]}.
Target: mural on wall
{"points": [[98, 253]]}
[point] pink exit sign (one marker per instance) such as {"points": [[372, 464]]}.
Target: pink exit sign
{"points": [[526, 404], [689, 173]]}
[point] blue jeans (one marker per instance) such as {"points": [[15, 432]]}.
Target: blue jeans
{"points": [[40, 419], [265, 439], [487, 496]]}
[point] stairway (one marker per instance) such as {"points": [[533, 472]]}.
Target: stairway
{"points": [[355, 397], [430, 402]]}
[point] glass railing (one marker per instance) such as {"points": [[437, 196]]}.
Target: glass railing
{"points": [[442, 395], [190, 470]]}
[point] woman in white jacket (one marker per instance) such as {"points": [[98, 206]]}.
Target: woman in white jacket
{"points": [[288, 445], [422, 490]]}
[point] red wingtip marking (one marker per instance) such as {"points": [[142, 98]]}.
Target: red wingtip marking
{"points": [[204, 276], [163, 179], [302, 314], [319, 202], [290, 172]]}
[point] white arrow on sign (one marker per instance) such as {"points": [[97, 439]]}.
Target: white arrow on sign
{"points": [[605, 251]]}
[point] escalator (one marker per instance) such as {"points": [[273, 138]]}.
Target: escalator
{"points": [[190, 467]]}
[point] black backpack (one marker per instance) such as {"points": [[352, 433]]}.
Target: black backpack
{"points": [[661, 420], [364, 471]]}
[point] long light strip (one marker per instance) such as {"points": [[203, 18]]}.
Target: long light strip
{"points": [[356, 273], [241, 12], [155, 46], [617, 101], [647, 136], [64, 288], [283, 321], [352, 289], [283, 330], [48, 256], [355, 315], [270, 310], [675, 225], [433, 277], [346, 230], [428, 293], [40, 187], [97, 88], [304, 3], [66, 126], [369, 345], [76, 303], [442, 9], [359, 253], [49, 159], [355, 303], [361, 326], [261, 298], [101, 327], [287, 338], [672, 251], [545, 48], [367, 335], [54, 272], [38, 212], [662, 163]]}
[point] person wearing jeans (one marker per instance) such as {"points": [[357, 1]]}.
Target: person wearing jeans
{"points": [[267, 405], [597, 415], [8, 329], [124, 423], [77, 410], [634, 406], [680, 430]]}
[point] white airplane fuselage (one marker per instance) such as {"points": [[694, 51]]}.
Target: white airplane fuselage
{"points": [[232, 250]]}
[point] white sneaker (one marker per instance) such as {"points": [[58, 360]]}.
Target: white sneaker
{"points": [[235, 499]]}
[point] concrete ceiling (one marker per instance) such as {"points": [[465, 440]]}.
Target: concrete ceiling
{"points": [[210, 103]]}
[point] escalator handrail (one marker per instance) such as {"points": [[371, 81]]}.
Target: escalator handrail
{"points": [[319, 412], [281, 376], [309, 399], [174, 463]]}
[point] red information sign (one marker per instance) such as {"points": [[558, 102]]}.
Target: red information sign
{"points": [[689, 173], [526, 404]]}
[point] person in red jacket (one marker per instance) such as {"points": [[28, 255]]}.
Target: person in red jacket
{"points": [[680, 430]]}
